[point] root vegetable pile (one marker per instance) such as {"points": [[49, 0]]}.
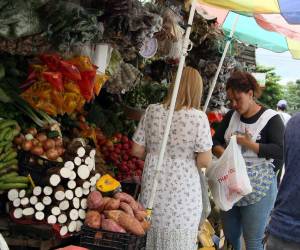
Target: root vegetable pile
{"points": [[120, 213], [64, 199]]}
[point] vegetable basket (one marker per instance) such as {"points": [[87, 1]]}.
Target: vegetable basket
{"points": [[36, 166], [105, 240]]}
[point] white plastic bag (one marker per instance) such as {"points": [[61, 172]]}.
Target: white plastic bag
{"points": [[228, 178]]}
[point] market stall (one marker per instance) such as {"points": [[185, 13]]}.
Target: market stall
{"points": [[75, 78]]}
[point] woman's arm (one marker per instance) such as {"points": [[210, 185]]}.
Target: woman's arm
{"points": [[218, 138], [204, 159], [273, 148], [138, 151]]}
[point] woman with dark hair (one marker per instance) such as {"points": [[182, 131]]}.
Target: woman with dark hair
{"points": [[260, 134]]}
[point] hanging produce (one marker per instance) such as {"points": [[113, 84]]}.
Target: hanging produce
{"points": [[62, 86], [68, 24], [125, 78]]}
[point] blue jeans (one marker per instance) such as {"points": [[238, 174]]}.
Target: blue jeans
{"points": [[250, 221]]}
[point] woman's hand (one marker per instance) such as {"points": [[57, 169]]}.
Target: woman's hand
{"points": [[245, 140]]}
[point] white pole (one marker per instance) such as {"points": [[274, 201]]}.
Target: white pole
{"points": [[171, 108], [212, 86]]}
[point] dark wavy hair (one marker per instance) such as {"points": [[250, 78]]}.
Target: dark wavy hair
{"points": [[243, 82]]}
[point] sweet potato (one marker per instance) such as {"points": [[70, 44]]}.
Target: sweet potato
{"points": [[94, 200], [140, 215], [105, 200], [111, 225], [93, 219], [112, 204], [126, 208], [124, 197], [145, 225], [126, 221]]}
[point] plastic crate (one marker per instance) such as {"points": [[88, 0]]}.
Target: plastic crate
{"points": [[36, 166], [131, 188], [105, 240]]}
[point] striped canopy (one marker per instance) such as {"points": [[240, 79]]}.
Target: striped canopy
{"points": [[268, 24]]}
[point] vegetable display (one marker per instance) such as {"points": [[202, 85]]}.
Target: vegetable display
{"points": [[120, 213], [59, 86], [48, 144], [9, 177], [64, 199]]}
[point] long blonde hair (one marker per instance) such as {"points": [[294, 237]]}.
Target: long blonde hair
{"points": [[190, 90]]}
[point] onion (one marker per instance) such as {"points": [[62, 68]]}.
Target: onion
{"points": [[37, 150], [35, 142], [27, 145], [32, 131], [52, 154], [49, 144], [41, 137], [19, 139], [60, 150], [58, 142]]}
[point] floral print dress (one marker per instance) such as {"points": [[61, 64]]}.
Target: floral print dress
{"points": [[178, 204]]}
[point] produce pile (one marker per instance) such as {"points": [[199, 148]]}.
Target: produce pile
{"points": [[9, 177], [120, 213], [59, 86], [63, 197], [47, 144], [117, 151]]}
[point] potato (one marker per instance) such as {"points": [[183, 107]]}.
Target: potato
{"points": [[140, 215], [112, 204], [145, 225], [105, 200], [124, 197], [129, 223], [94, 200], [126, 208], [111, 225], [93, 219]]}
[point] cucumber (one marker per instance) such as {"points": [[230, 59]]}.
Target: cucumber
{"points": [[9, 136], [11, 156], [8, 163], [7, 123], [4, 143], [9, 169], [5, 154], [16, 179], [8, 146], [4, 132], [11, 174], [7, 186]]}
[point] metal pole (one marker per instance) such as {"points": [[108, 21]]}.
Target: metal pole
{"points": [[171, 108], [212, 86]]}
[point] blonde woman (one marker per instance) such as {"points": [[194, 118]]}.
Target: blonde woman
{"points": [[178, 205]]}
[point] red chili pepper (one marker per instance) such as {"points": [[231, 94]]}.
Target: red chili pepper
{"points": [[55, 79], [69, 71], [86, 84], [51, 60]]}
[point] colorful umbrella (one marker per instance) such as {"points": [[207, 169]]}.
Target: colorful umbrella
{"points": [[268, 31]]}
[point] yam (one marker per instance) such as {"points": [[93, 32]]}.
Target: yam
{"points": [[126, 208], [145, 225], [94, 200], [112, 204], [111, 225], [123, 197], [126, 221], [140, 215], [105, 200], [93, 219]]}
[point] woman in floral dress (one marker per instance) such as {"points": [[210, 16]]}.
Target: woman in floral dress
{"points": [[178, 204]]}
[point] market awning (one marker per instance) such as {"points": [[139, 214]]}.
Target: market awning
{"points": [[269, 31]]}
